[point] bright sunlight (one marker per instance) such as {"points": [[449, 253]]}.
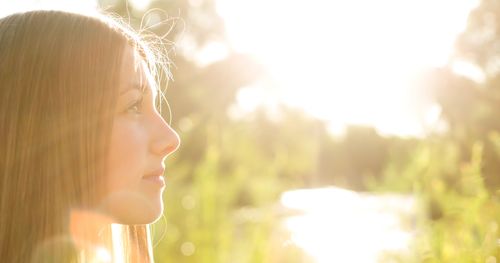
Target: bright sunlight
{"points": [[365, 54]]}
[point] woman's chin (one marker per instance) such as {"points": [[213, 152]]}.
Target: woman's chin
{"points": [[132, 208]]}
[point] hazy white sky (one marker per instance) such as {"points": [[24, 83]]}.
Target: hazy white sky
{"points": [[10, 6], [349, 61]]}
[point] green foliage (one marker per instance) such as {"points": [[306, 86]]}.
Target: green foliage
{"points": [[458, 218], [456, 175], [224, 203]]}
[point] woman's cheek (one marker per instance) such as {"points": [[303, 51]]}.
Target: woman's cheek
{"points": [[127, 154]]}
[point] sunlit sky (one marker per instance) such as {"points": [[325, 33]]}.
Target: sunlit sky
{"points": [[344, 61], [349, 61]]}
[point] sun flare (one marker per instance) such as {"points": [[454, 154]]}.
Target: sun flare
{"points": [[349, 62]]}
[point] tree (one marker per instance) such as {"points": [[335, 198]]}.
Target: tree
{"points": [[471, 108]]}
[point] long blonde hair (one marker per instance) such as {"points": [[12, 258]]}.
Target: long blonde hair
{"points": [[59, 75]]}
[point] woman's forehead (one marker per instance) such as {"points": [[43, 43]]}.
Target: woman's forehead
{"points": [[135, 72]]}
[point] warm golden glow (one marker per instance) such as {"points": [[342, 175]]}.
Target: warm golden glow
{"points": [[349, 62], [80, 6]]}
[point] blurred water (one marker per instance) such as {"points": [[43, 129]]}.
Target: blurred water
{"points": [[338, 225]]}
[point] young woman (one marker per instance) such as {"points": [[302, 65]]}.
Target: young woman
{"points": [[82, 145]]}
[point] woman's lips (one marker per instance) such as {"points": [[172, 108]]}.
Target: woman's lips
{"points": [[156, 177]]}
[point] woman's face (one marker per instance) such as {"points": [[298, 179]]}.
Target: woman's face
{"points": [[140, 142]]}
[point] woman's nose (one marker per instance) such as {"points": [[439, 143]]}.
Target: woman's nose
{"points": [[166, 140]]}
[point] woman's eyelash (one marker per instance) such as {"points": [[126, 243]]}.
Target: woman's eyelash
{"points": [[136, 107]]}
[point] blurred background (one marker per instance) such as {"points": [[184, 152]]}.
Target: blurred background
{"points": [[326, 130]]}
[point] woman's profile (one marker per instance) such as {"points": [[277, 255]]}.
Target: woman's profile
{"points": [[82, 144]]}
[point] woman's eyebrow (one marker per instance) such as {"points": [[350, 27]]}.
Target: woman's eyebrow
{"points": [[143, 88]]}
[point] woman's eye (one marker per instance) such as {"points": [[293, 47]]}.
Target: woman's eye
{"points": [[135, 108]]}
